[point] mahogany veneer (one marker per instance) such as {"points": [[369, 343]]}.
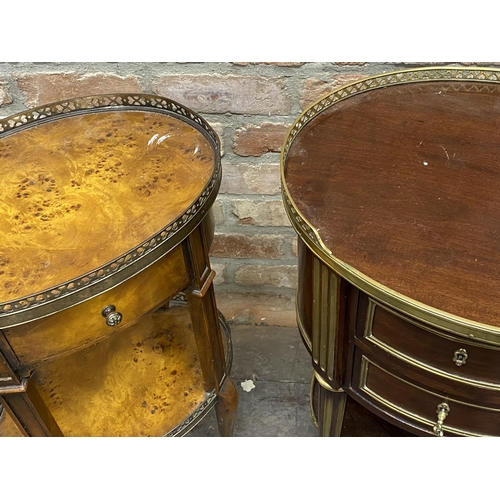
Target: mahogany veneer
{"points": [[392, 185]]}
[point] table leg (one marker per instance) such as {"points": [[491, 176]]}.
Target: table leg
{"points": [[206, 326], [21, 399], [330, 408], [29, 412], [225, 408]]}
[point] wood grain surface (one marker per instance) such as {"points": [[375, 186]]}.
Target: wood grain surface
{"points": [[82, 190], [139, 382], [83, 324], [403, 184]]}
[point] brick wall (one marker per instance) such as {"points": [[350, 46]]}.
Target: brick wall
{"points": [[251, 106]]}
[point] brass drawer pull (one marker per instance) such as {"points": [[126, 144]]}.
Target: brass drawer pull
{"points": [[460, 357], [113, 317], [442, 412]]}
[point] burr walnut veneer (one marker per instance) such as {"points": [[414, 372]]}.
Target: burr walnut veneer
{"points": [[108, 321], [392, 184]]}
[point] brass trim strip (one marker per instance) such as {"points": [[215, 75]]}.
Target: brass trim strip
{"points": [[370, 318], [14, 389], [316, 312], [310, 236], [325, 317], [311, 401], [369, 335], [302, 330], [332, 321], [323, 326], [328, 411], [363, 387], [206, 285], [323, 383], [197, 416]]}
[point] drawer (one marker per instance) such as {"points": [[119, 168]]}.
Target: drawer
{"points": [[405, 402], [83, 324], [437, 351]]}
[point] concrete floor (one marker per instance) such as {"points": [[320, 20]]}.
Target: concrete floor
{"points": [[279, 365]]}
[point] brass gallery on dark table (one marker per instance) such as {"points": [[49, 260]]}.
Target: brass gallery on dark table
{"points": [[108, 319]]}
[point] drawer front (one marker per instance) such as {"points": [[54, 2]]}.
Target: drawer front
{"points": [[83, 324], [431, 349], [407, 403]]}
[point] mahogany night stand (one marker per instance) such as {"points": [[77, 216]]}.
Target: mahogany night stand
{"points": [[392, 184]]}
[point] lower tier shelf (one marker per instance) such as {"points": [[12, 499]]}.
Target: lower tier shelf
{"points": [[142, 381]]}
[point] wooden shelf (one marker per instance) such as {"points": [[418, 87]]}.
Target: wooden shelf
{"points": [[145, 380]]}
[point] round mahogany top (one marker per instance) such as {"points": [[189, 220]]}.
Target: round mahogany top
{"points": [[84, 188], [402, 185]]}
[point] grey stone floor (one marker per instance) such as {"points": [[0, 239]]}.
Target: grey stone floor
{"points": [[279, 365]]}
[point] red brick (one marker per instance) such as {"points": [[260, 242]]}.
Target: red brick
{"points": [[261, 213], [5, 98], [43, 88], [256, 140], [314, 89], [250, 179], [278, 276], [257, 308], [226, 93], [241, 246]]}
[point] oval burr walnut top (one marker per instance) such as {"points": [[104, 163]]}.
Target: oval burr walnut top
{"points": [[403, 184], [80, 191]]}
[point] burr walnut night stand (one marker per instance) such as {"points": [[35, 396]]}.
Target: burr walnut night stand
{"points": [[108, 321], [393, 186]]}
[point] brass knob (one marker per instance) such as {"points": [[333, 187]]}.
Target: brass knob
{"points": [[113, 317], [460, 357], [442, 412]]}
